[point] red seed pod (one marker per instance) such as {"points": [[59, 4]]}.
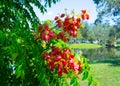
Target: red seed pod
{"points": [[65, 38], [57, 58], [66, 50], [70, 32], [66, 20], [60, 64], [71, 60], [83, 11], [76, 67], [59, 71], [47, 56], [52, 53], [60, 35], [74, 27], [64, 55], [52, 34], [83, 17], [56, 50], [73, 18], [78, 19], [46, 26], [56, 18], [87, 16], [78, 25], [64, 62], [59, 24], [65, 71], [80, 68], [51, 65], [74, 33], [71, 64], [44, 36], [40, 28], [53, 47], [62, 15], [72, 56]]}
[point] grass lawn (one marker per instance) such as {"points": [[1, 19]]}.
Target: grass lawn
{"points": [[106, 72], [118, 45], [84, 46]]}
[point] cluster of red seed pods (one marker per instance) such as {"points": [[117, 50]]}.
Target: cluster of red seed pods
{"points": [[62, 59]]}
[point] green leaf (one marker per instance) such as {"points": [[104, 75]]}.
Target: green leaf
{"points": [[18, 74], [69, 74], [18, 71], [85, 75], [94, 83], [2, 38], [57, 84], [77, 56], [22, 74], [41, 76], [76, 83], [72, 80], [90, 79], [80, 72], [14, 55]]}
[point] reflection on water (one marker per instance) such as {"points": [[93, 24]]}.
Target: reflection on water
{"points": [[100, 53]]}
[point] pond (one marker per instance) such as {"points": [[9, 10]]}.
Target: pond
{"points": [[100, 54]]}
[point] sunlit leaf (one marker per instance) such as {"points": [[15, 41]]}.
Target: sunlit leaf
{"points": [[90, 79], [72, 80], [85, 75], [14, 55]]}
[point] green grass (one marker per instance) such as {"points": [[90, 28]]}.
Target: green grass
{"points": [[118, 45], [84, 46], [106, 72], [106, 75]]}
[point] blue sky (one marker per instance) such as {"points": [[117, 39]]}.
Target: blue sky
{"points": [[77, 5]]}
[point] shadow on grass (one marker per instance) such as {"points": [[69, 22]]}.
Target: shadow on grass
{"points": [[113, 62], [117, 47]]}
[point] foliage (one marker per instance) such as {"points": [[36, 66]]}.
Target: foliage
{"points": [[24, 49], [108, 10], [100, 32], [109, 13], [84, 32], [20, 13], [19, 52]]}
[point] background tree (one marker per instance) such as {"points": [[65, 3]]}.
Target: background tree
{"points": [[101, 32], [108, 10], [91, 36], [97, 32], [85, 33]]}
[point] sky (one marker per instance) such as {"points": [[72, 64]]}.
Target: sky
{"points": [[60, 7]]}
